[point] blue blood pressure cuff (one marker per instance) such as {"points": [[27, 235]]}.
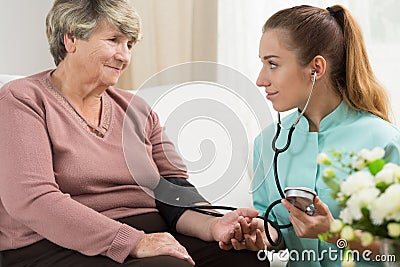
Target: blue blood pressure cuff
{"points": [[173, 197]]}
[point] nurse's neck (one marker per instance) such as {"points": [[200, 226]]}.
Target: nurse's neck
{"points": [[318, 110]]}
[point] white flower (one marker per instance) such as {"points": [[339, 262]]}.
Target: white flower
{"points": [[378, 212], [357, 182], [366, 239], [365, 156], [336, 226], [347, 233], [359, 163], [393, 229], [323, 159], [371, 155], [361, 199], [348, 263], [346, 216], [386, 206], [386, 175], [396, 175], [392, 197], [348, 260], [364, 192], [391, 166], [340, 197]]}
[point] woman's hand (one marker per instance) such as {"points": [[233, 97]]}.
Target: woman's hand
{"points": [[254, 236], [309, 226], [157, 244]]}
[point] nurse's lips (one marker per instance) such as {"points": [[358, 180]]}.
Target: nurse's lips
{"points": [[271, 94]]}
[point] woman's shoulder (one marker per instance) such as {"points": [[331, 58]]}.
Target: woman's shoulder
{"points": [[25, 88], [376, 125]]}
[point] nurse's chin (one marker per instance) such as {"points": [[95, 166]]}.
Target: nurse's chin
{"points": [[280, 108]]}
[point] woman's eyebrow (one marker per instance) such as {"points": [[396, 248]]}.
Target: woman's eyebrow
{"points": [[269, 56]]}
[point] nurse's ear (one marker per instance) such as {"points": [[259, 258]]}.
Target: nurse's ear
{"points": [[318, 67]]}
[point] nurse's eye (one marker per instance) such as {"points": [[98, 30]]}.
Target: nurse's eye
{"points": [[272, 65], [113, 39]]}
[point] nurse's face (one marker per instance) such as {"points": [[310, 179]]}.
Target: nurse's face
{"points": [[287, 84]]}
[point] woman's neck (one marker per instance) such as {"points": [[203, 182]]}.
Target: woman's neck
{"points": [[321, 104], [86, 99]]}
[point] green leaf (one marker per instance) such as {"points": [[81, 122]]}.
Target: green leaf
{"points": [[325, 236], [331, 184], [382, 186], [376, 166]]}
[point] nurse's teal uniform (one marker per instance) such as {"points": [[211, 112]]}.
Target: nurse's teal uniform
{"points": [[344, 129]]}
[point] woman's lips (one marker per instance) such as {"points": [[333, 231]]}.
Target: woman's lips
{"points": [[116, 69], [270, 95]]}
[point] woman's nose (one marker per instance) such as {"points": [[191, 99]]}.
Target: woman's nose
{"points": [[124, 54], [262, 79]]}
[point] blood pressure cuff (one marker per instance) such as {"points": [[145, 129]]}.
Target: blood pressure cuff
{"points": [[173, 197]]}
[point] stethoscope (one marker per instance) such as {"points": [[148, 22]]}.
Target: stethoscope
{"points": [[277, 151]]}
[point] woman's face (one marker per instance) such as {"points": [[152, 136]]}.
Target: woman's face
{"points": [[103, 57], [287, 84]]}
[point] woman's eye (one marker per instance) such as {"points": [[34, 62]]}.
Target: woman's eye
{"points": [[129, 45], [272, 65], [114, 39]]}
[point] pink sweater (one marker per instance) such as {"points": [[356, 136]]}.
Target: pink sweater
{"points": [[63, 179]]}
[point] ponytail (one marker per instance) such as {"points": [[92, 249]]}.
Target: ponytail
{"points": [[361, 91]]}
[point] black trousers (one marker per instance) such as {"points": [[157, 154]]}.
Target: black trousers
{"points": [[47, 254]]}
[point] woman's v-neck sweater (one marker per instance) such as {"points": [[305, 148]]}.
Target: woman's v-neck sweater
{"points": [[64, 179]]}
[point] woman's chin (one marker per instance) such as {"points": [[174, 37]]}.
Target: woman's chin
{"points": [[280, 108]]}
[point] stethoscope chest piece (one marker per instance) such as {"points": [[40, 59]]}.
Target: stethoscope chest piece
{"points": [[301, 197]]}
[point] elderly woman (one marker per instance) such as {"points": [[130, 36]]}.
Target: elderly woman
{"points": [[67, 196]]}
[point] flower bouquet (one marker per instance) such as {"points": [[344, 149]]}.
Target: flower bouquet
{"points": [[367, 189]]}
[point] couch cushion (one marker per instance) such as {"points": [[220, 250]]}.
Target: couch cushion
{"points": [[168, 101]]}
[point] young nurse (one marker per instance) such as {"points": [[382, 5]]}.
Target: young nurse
{"points": [[316, 54]]}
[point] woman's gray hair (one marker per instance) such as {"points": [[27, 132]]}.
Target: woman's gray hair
{"points": [[80, 17]]}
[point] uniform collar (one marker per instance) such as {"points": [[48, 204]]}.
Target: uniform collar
{"points": [[339, 115]]}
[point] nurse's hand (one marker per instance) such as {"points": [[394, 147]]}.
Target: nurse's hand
{"points": [[251, 236], [310, 226], [229, 226]]}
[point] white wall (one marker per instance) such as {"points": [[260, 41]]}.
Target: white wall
{"points": [[24, 49], [23, 46]]}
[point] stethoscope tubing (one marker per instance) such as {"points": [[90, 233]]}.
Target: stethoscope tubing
{"points": [[205, 209], [278, 151]]}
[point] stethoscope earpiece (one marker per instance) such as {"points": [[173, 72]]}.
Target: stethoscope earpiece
{"points": [[314, 73]]}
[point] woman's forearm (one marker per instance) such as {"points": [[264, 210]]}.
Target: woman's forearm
{"points": [[195, 224]]}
